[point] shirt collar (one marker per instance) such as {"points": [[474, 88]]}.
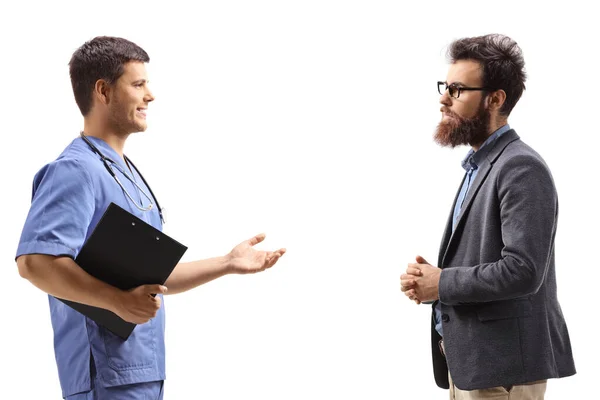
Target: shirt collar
{"points": [[474, 158], [108, 151]]}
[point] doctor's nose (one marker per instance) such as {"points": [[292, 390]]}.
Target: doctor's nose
{"points": [[149, 98]]}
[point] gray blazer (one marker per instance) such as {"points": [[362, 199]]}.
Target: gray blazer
{"points": [[501, 318]]}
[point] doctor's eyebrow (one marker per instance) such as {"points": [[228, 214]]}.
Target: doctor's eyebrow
{"points": [[141, 81]]}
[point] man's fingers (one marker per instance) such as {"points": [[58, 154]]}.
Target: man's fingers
{"points": [[413, 269], [257, 239], [421, 260], [408, 276], [412, 295], [406, 284]]}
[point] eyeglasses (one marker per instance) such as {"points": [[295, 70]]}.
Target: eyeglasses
{"points": [[454, 89]]}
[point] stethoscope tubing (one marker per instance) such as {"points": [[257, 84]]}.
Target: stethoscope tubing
{"points": [[107, 164]]}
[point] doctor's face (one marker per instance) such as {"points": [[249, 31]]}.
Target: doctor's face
{"points": [[130, 98]]}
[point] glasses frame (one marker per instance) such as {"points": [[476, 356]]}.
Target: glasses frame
{"points": [[453, 87]]}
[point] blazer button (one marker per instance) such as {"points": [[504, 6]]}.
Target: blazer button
{"points": [[445, 317]]}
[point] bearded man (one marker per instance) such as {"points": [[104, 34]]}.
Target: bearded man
{"points": [[497, 327]]}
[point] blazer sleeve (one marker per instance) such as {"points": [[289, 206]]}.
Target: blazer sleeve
{"points": [[528, 215]]}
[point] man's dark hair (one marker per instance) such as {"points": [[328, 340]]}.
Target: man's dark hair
{"points": [[502, 62], [103, 57]]}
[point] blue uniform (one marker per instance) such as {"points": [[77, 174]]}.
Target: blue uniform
{"points": [[70, 196], [138, 391]]}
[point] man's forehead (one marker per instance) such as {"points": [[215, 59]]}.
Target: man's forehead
{"points": [[135, 70], [467, 72]]}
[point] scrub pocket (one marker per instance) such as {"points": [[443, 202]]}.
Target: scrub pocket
{"points": [[137, 352]]}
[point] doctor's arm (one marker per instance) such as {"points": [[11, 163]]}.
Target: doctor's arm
{"points": [[61, 211], [63, 278], [528, 213], [243, 259]]}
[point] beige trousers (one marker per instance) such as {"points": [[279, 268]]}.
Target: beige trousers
{"points": [[528, 391]]}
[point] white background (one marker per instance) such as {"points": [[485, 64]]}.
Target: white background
{"points": [[311, 121]]}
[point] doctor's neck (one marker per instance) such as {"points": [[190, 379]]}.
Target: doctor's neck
{"points": [[111, 136]]}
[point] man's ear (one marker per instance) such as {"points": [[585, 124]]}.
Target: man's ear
{"points": [[496, 100]]}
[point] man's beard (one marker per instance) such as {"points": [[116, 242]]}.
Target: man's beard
{"points": [[457, 131]]}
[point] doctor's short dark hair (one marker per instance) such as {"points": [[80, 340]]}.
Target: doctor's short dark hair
{"points": [[502, 62], [103, 57]]}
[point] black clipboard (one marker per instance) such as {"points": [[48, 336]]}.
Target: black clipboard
{"points": [[126, 252]]}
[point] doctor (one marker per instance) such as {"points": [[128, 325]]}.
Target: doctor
{"points": [[70, 195]]}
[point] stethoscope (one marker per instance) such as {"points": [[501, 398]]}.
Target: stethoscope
{"points": [[107, 164]]}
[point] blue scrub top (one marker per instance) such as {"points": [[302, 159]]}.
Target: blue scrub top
{"points": [[70, 196]]}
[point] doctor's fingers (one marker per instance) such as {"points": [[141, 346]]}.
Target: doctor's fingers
{"points": [[280, 252], [156, 301], [145, 305], [273, 257], [153, 289], [256, 239], [139, 319], [138, 316], [270, 261], [144, 315]]}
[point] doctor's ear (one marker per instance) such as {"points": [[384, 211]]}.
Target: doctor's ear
{"points": [[102, 91]]}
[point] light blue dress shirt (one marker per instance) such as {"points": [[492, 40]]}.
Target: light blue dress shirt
{"points": [[471, 165], [69, 197]]}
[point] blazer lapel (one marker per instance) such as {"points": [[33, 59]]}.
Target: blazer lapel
{"points": [[448, 230], [482, 174]]}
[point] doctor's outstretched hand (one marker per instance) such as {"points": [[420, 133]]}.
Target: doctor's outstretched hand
{"points": [[245, 259]]}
